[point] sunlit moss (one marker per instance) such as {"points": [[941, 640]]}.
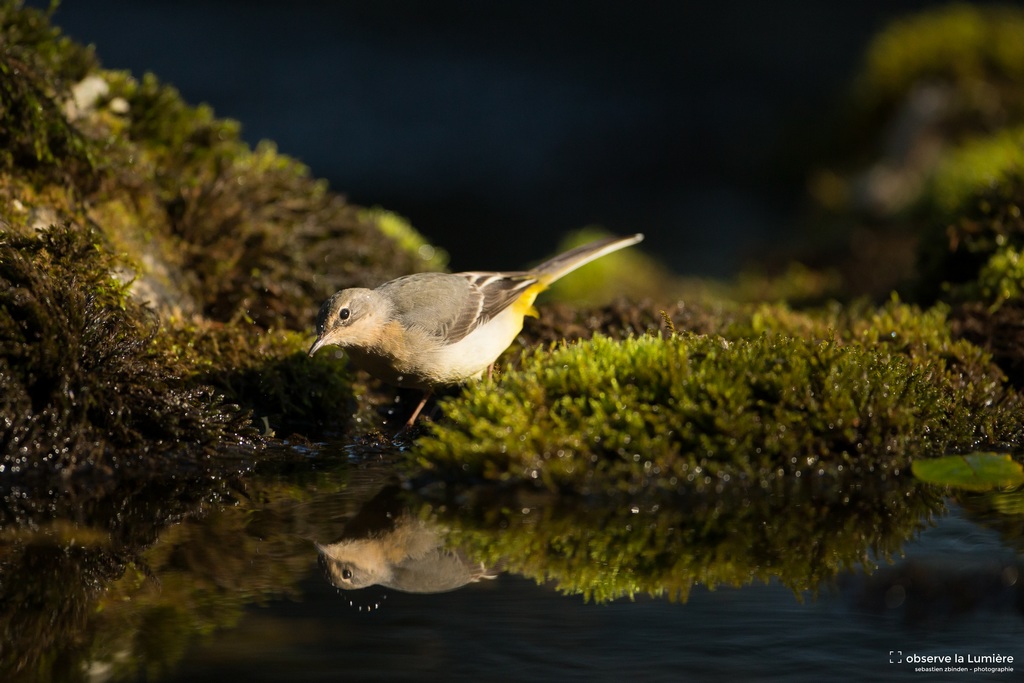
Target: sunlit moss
{"points": [[978, 226], [1002, 278], [690, 410]]}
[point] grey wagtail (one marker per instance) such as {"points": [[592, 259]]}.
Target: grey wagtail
{"points": [[436, 329]]}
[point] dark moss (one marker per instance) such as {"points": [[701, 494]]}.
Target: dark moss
{"points": [[243, 243], [81, 387], [998, 331], [37, 67], [267, 373]]}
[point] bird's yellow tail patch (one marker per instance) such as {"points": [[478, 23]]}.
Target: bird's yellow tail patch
{"points": [[524, 304]]}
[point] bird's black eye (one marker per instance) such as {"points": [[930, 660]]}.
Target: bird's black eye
{"points": [[346, 574], [344, 313]]}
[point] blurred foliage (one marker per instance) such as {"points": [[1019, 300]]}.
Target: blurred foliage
{"points": [[978, 51], [628, 273], [37, 68], [976, 196], [401, 231], [924, 153], [975, 168]]}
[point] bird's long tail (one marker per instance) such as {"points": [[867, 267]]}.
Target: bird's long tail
{"points": [[565, 263]]}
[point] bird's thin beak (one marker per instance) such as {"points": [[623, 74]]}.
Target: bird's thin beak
{"points": [[316, 346]]}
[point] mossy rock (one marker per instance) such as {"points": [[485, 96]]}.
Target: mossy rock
{"points": [[82, 387], [266, 372], [229, 250], [690, 411], [37, 69]]}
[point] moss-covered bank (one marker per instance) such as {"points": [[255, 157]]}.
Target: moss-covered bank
{"points": [[232, 249], [691, 411], [158, 272], [80, 385]]}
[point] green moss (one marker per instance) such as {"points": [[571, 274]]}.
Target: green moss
{"points": [[797, 284], [969, 172], [1002, 278], [977, 224], [689, 411], [257, 237], [37, 67]]}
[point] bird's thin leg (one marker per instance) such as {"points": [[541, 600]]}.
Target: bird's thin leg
{"points": [[416, 413]]}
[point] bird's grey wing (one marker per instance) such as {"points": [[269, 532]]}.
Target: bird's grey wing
{"points": [[451, 306], [492, 293], [431, 302]]}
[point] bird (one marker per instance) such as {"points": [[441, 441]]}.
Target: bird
{"points": [[409, 557], [431, 330]]}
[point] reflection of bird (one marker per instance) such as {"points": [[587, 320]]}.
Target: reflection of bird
{"points": [[436, 329], [409, 558]]}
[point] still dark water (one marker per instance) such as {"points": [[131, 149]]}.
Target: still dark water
{"points": [[513, 629], [220, 578], [768, 583]]}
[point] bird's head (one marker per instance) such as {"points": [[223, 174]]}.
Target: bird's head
{"points": [[352, 317]]}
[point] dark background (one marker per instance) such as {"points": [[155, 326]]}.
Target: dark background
{"points": [[496, 127]]}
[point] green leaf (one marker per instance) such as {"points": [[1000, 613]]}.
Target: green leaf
{"points": [[973, 472]]}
